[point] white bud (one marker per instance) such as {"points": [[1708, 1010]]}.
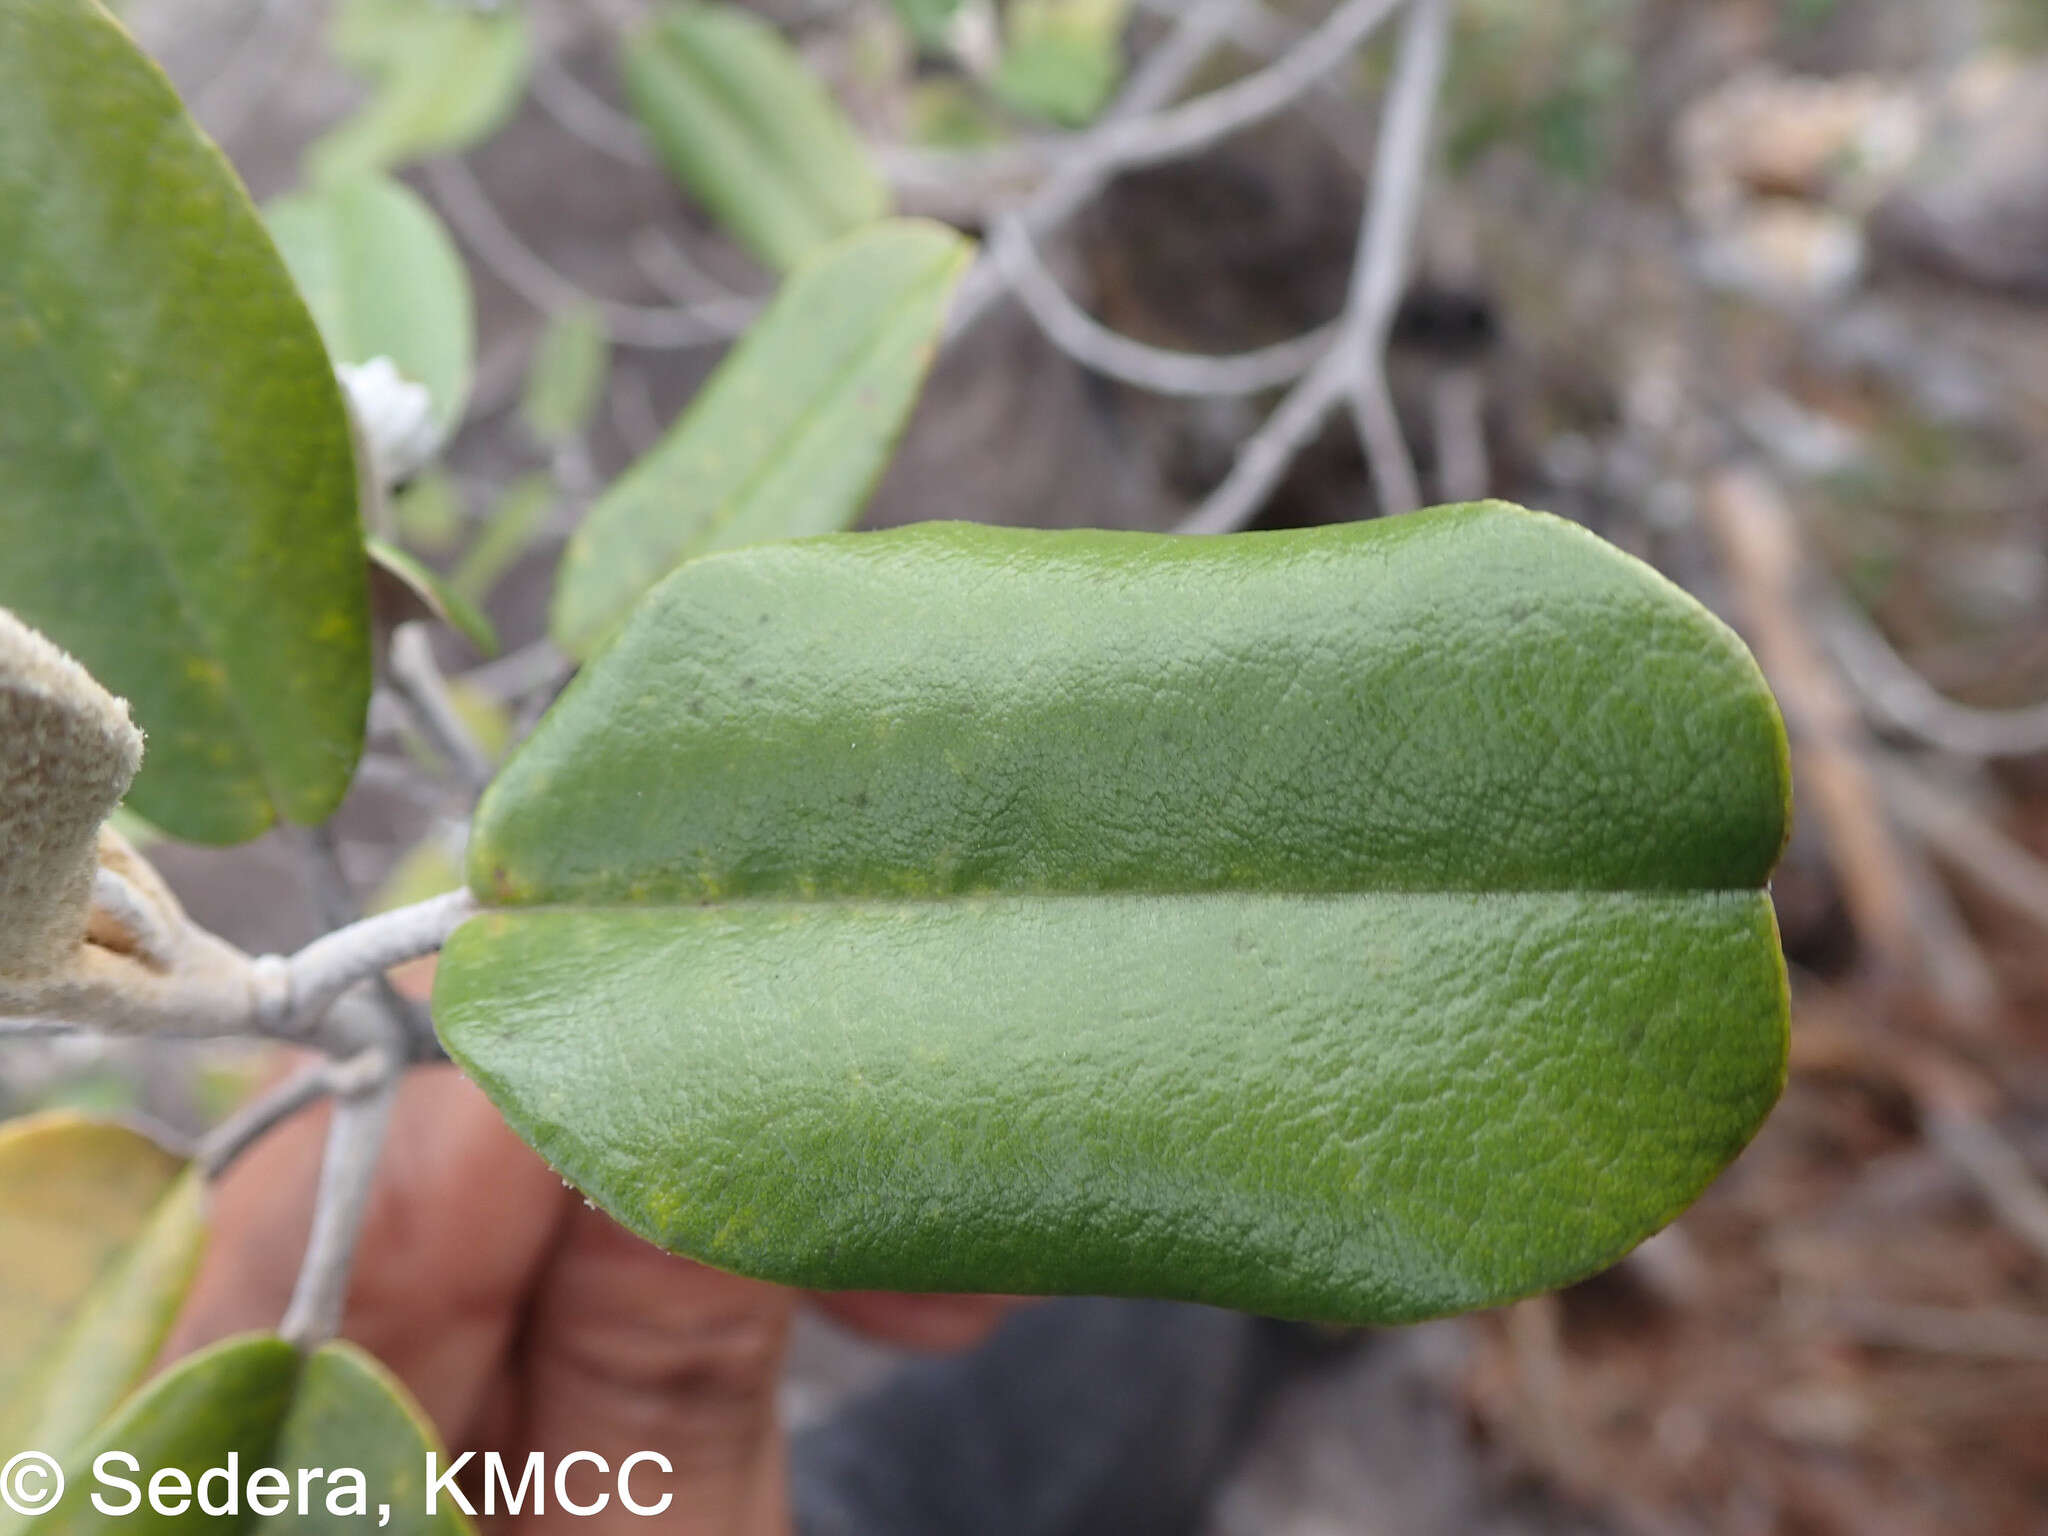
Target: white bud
{"points": [[395, 417]]}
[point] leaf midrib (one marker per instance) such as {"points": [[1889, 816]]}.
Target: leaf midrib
{"points": [[1134, 897]]}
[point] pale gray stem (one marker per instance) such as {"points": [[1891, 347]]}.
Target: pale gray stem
{"points": [[1264, 459], [416, 677], [1898, 696], [330, 965], [534, 666], [586, 115], [1160, 369], [1458, 422], [1394, 482], [327, 884], [365, 1088], [1400, 167], [1121, 141], [256, 1119], [525, 273], [1194, 126], [1352, 369]]}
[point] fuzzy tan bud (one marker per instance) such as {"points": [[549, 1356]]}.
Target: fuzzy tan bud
{"points": [[67, 753]]}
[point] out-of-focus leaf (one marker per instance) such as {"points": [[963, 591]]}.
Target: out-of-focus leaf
{"points": [[947, 115], [927, 19], [336, 1419], [428, 512], [788, 436], [519, 517], [487, 719], [436, 596], [428, 869], [100, 1233], [566, 377], [447, 75], [177, 484], [740, 121], [1062, 59], [383, 279]]}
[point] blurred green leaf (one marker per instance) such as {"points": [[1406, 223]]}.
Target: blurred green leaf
{"points": [[177, 483], [428, 869], [927, 19], [521, 514], [740, 120], [787, 437], [428, 512], [1546, 79], [1062, 59], [566, 377], [945, 114], [438, 596], [100, 1234], [446, 76], [383, 279]]}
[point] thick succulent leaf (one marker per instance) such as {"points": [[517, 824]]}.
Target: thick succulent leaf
{"points": [[177, 492], [1062, 59], [567, 375], [100, 1233], [447, 76], [253, 1397], [382, 279], [741, 122], [788, 436], [1359, 923]]}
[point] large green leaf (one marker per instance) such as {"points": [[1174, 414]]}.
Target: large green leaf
{"points": [[741, 122], [100, 1232], [448, 75], [383, 279], [1358, 923], [788, 436], [177, 494], [1062, 59], [255, 1398], [566, 376]]}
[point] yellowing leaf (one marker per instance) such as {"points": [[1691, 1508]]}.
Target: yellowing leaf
{"points": [[100, 1233]]}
